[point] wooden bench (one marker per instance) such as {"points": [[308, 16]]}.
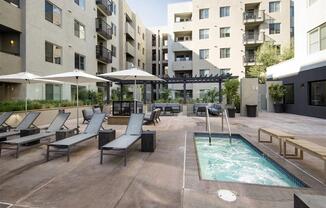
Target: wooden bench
{"points": [[273, 133], [307, 146]]}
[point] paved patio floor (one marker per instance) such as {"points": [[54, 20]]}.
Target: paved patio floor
{"points": [[166, 178]]}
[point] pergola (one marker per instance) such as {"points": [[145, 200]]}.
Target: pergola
{"points": [[218, 79]]}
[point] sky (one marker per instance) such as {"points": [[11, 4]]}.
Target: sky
{"points": [[152, 12]]}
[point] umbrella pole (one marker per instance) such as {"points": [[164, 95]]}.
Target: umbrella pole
{"points": [[135, 103], [26, 96], [77, 104]]}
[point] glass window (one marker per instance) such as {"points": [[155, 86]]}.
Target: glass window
{"points": [[80, 3], [204, 72], [114, 29], [323, 37], [203, 53], [314, 41], [53, 53], [225, 32], [289, 95], [224, 11], [79, 30], [203, 34], [202, 93], [79, 61], [203, 13], [52, 13], [274, 28], [317, 93], [225, 53], [225, 71], [114, 50], [53, 92], [274, 6]]}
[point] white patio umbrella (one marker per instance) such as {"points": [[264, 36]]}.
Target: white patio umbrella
{"points": [[75, 77], [25, 78], [133, 74]]}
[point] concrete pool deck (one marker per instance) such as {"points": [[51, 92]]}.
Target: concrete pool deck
{"points": [[164, 178]]}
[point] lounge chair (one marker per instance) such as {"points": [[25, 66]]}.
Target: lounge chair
{"points": [[125, 141], [91, 131], [157, 115], [150, 119], [3, 118], [56, 125], [26, 123]]}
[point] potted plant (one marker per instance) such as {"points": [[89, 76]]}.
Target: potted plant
{"points": [[277, 92], [231, 87]]}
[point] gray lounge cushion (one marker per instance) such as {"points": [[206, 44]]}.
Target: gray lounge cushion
{"points": [[123, 142], [74, 139], [31, 138]]}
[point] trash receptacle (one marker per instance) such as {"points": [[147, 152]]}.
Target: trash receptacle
{"points": [[251, 110]]}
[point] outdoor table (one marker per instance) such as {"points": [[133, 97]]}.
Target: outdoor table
{"points": [[105, 136], [148, 141]]}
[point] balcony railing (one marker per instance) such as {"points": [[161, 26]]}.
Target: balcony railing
{"points": [[103, 28], [14, 2], [254, 16], [249, 59], [105, 6], [253, 37], [103, 54]]}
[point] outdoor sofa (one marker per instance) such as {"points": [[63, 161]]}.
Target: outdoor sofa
{"points": [[125, 141], [171, 108], [65, 145], [55, 126], [26, 123]]}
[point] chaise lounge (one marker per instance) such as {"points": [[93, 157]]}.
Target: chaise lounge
{"points": [[3, 118], [56, 125], [26, 123], [65, 145], [125, 141]]}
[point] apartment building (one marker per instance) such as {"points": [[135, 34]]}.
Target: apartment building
{"points": [[304, 76], [215, 37], [52, 36]]}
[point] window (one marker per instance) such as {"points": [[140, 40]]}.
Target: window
{"points": [[114, 51], [114, 29], [203, 34], [79, 30], [314, 41], [79, 61], [224, 32], [114, 8], [323, 37], [143, 36], [53, 92], [225, 53], [317, 95], [53, 53], [311, 2], [113, 69], [143, 51], [52, 13], [274, 28], [203, 13], [143, 65], [203, 53], [202, 93], [138, 46], [204, 72], [138, 62], [138, 29], [274, 6], [289, 95], [80, 3], [225, 71], [278, 49], [224, 11]]}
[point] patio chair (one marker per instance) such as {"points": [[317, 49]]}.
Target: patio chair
{"points": [[65, 145], [55, 126], [26, 123], [150, 119], [87, 115], [125, 141], [157, 115], [3, 118]]}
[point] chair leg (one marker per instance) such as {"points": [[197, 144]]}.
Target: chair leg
{"points": [[68, 154], [0, 148], [17, 151], [125, 157], [47, 153], [101, 158]]}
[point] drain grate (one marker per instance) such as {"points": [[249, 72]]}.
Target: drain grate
{"points": [[227, 195]]}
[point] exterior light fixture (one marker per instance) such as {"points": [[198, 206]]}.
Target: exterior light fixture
{"points": [[12, 42]]}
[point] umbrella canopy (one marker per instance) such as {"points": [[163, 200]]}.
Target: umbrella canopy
{"points": [[25, 78], [131, 74], [75, 77]]}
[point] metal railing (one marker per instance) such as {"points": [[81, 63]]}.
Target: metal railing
{"points": [[208, 126], [225, 114], [253, 37], [105, 5], [103, 28], [254, 16], [103, 54]]}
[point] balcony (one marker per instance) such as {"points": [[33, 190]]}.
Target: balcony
{"points": [[254, 17], [103, 28], [130, 49], [103, 54], [10, 64], [105, 6], [249, 60], [130, 31], [10, 16], [253, 38], [182, 65]]}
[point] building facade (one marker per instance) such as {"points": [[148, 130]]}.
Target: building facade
{"points": [[52, 36], [304, 76], [215, 37]]}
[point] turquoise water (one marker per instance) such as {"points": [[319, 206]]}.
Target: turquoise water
{"points": [[240, 162]]}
